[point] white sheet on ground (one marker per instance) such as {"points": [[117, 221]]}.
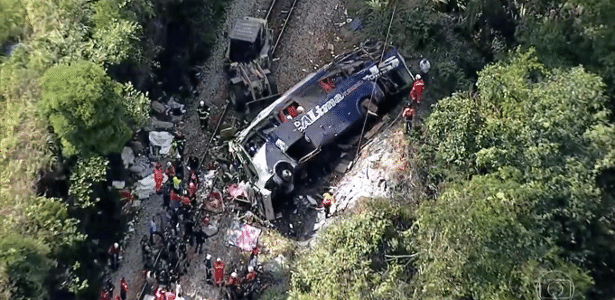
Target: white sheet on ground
{"points": [[128, 157], [147, 186], [162, 139]]}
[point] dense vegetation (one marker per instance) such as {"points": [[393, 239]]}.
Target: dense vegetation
{"points": [[516, 161], [74, 83]]}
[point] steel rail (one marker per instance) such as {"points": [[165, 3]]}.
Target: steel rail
{"points": [[290, 12], [270, 9], [213, 134]]}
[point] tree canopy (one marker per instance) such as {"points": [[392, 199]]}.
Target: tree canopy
{"points": [[84, 106], [518, 165]]}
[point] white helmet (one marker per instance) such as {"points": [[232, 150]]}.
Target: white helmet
{"points": [[202, 103], [417, 77], [169, 164], [219, 259], [250, 269], [234, 275], [208, 256], [116, 245]]}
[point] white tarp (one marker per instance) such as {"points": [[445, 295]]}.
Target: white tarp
{"points": [[147, 186], [162, 139], [128, 157]]}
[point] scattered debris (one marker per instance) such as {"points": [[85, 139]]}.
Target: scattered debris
{"points": [[243, 236]]}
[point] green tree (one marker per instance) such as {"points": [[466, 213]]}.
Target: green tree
{"points": [[518, 166], [25, 261], [85, 108], [12, 20], [84, 176], [366, 255]]}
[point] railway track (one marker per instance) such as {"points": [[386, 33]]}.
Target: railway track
{"points": [[277, 17]]}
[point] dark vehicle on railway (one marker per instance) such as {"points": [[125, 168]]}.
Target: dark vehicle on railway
{"points": [[315, 113], [248, 61]]}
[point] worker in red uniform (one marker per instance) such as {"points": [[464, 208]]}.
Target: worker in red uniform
{"points": [[115, 251], [158, 178], [233, 284], [251, 275], [292, 111], [327, 201], [160, 294], [218, 272], [170, 170], [192, 177], [105, 295], [175, 199], [417, 89], [123, 288], [185, 199], [408, 115]]}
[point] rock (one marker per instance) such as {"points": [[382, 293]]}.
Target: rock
{"points": [[158, 107], [159, 125], [136, 147]]}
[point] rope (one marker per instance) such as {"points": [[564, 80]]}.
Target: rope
{"points": [[374, 86]]}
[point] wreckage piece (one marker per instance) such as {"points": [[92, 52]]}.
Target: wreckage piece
{"points": [[243, 236], [247, 63], [312, 115]]}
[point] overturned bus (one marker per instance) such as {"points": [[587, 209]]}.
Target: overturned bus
{"points": [[314, 113]]}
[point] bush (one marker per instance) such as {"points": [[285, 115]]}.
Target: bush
{"points": [[362, 256], [84, 107]]}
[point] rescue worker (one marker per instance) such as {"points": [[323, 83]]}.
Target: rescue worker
{"points": [[191, 190], [180, 142], [177, 184], [192, 175], [175, 200], [189, 232], [185, 200], [203, 112], [199, 237], [254, 258], [160, 294], [123, 288], [233, 284], [114, 252], [158, 178], [218, 272], [251, 275], [417, 89], [208, 267], [408, 114], [327, 201], [153, 227], [166, 195], [105, 295], [292, 112], [170, 171]]}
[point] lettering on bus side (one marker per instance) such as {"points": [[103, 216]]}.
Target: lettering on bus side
{"points": [[318, 111]]}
